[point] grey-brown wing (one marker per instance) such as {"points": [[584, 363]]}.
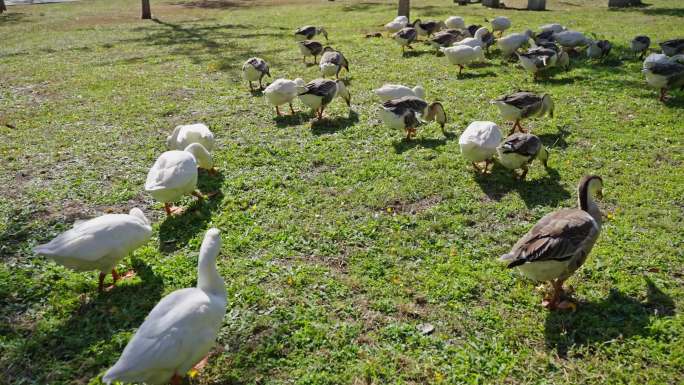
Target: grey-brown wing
{"points": [[259, 64], [667, 69], [307, 30], [527, 102], [408, 33], [556, 237], [400, 105], [313, 46], [320, 87], [522, 143]]}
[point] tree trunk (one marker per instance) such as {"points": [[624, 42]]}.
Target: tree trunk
{"points": [[3, 8], [536, 5], [623, 3], [404, 8], [146, 11], [491, 3]]}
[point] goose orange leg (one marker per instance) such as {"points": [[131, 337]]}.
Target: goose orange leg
{"points": [[278, 111]]}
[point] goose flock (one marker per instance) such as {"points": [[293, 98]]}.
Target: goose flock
{"points": [[181, 329]]}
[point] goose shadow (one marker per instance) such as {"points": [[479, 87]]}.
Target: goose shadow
{"points": [[332, 125], [616, 316], [559, 81], [176, 231], [543, 191], [475, 75], [556, 140], [93, 323], [290, 120], [415, 53], [256, 92], [404, 145]]}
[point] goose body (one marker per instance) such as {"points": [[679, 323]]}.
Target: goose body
{"points": [[397, 24], [664, 75], [462, 55], [560, 242], [405, 37], [427, 28], [446, 38], [553, 27], [309, 48], [639, 45], [538, 59], [478, 142], [521, 105], [318, 93], [282, 91], [395, 91], [99, 243], [570, 39], [500, 24], [185, 135], [403, 112], [254, 69], [309, 31], [455, 22], [180, 330], [597, 49], [512, 42], [518, 150], [174, 173], [672, 47], [476, 40], [332, 63]]}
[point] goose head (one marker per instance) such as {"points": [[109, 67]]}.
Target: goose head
{"points": [[174, 135], [136, 212], [322, 31], [201, 155], [419, 91], [299, 82], [343, 92], [208, 278], [590, 186], [435, 111], [481, 32], [547, 105], [415, 22]]}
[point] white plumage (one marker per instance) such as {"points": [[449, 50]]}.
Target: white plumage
{"points": [[455, 22], [570, 39], [553, 27], [501, 23], [282, 91], [180, 329], [397, 24], [511, 42], [479, 141], [462, 54], [395, 91], [476, 40], [185, 135]]}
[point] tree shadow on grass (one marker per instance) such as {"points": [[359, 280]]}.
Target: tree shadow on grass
{"points": [[333, 125], [176, 231], [11, 18], [556, 140], [616, 317], [364, 6], [90, 325], [544, 191]]}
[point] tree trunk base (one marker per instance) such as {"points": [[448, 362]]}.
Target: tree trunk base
{"points": [[536, 5]]}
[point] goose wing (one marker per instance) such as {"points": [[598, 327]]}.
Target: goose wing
{"points": [[313, 46], [171, 170], [522, 100], [319, 87], [522, 143], [259, 64], [401, 105], [407, 33]]}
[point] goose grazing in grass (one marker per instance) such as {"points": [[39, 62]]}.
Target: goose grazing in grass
{"points": [[512, 42], [183, 136], [462, 55], [500, 24], [664, 75], [309, 31], [405, 37], [402, 113], [99, 243], [446, 38], [477, 40], [538, 59], [283, 91], [181, 329], [310, 48], [553, 28], [332, 62], [598, 49], [521, 105], [396, 25], [174, 174], [455, 22], [672, 47], [479, 142], [396, 91], [428, 28], [639, 45], [318, 93], [560, 242], [254, 70], [570, 39], [519, 150], [472, 29]]}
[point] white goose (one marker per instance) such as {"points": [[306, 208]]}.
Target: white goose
{"points": [[174, 174], [99, 243], [476, 40], [184, 135], [512, 42], [455, 22], [180, 330], [570, 39], [479, 142], [283, 91], [500, 24], [397, 24], [462, 55], [395, 91]]}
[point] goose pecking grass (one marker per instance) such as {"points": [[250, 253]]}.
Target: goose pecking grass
{"points": [[309, 31], [522, 105], [332, 62], [318, 93], [309, 48], [283, 91], [403, 113], [518, 150], [254, 69]]}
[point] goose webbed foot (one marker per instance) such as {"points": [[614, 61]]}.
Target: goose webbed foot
{"points": [[292, 109], [172, 210], [176, 379]]}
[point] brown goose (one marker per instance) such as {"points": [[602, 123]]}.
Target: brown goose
{"points": [[310, 48], [428, 28], [519, 150], [672, 47], [309, 31], [332, 62], [446, 38], [405, 37], [523, 104], [560, 242], [402, 113]]}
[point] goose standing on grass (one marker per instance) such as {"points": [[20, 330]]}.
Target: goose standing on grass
{"points": [[462, 55], [283, 91], [598, 49], [512, 42], [519, 150], [318, 93], [428, 28], [570, 39], [553, 28], [471, 29], [254, 70], [332, 62], [478, 143], [309, 31], [476, 40], [402, 113], [309, 48], [181, 329], [99, 243], [185, 135], [537, 59], [664, 75], [560, 242], [500, 24], [639, 45], [405, 37], [446, 38], [174, 174], [521, 105], [396, 25], [396, 91], [455, 22], [672, 47]]}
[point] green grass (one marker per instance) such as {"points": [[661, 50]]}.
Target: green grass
{"points": [[339, 238]]}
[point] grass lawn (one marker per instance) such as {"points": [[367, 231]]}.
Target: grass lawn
{"points": [[339, 237]]}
